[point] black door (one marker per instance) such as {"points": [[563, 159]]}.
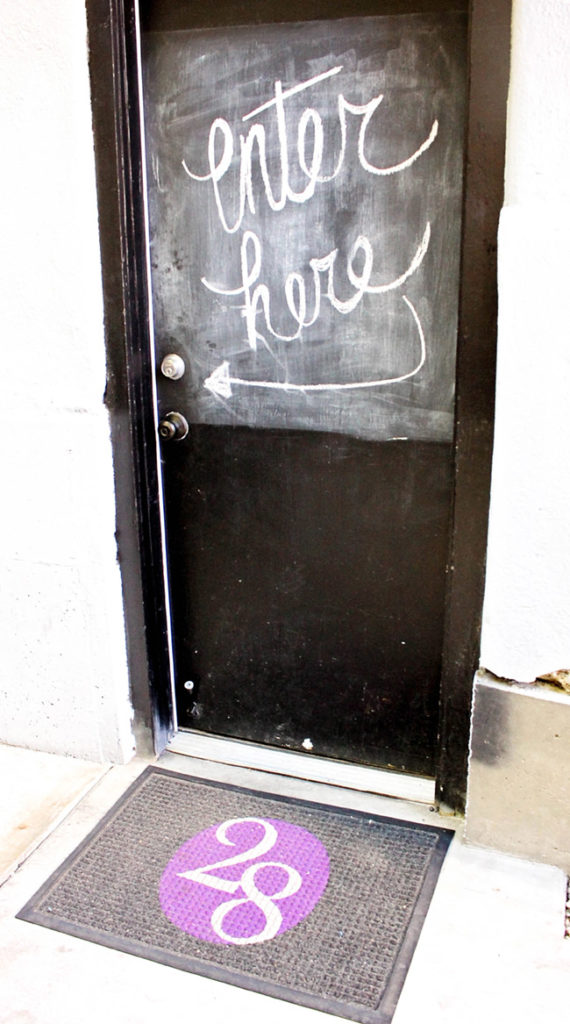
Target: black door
{"points": [[305, 191]]}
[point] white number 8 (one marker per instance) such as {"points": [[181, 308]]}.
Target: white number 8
{"points": [[272, 914]]}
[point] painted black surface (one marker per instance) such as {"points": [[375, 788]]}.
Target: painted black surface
{"points": [[114, 97], [407, 77], [307, 575], [128, 394], [476, 355], [186, 14], [308, 571]]}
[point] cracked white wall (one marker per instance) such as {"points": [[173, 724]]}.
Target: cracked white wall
{"points": [[526, 625], [63, 675]]}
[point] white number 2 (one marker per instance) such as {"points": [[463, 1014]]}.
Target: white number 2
{"points": [[266, 904]]}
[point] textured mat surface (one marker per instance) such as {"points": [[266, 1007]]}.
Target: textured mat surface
{"points": [[317, 905]]}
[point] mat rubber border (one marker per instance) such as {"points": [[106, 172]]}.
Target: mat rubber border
{"points": [[381, 1013]]}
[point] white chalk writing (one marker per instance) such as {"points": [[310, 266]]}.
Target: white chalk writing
{"points": [[304, 289], [278, 194], [295, 289]]}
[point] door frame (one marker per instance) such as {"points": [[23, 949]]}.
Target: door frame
{"points": [[130, 392]]}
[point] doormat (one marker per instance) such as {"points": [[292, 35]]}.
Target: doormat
{"points": [[316, 905]]}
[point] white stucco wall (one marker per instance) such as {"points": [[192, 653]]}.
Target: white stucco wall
{"points": [[526, 627], [63, 675]]}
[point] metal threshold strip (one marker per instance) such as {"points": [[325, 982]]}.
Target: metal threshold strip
{"points": [[415, 788]]}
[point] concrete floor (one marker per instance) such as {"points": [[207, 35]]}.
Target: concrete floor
{"points": [[492, 947]]}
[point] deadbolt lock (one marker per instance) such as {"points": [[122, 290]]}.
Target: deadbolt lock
{"points": [[172, 366], [173, 427]]}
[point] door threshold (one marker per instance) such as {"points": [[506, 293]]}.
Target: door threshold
{"points": [[415, 788]]}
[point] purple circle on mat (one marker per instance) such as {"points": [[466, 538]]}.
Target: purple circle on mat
{"points": [[244, 881]]}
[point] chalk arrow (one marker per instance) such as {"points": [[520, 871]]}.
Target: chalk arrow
{"points": [[220, 382]]}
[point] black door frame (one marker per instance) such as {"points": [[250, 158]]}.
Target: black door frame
{"points": [[114, 72]]}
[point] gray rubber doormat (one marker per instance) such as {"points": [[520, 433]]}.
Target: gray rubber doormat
{"points": [[317, 905]]}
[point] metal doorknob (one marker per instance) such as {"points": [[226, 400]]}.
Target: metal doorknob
{"points": [[172, 366], [173, 427]]}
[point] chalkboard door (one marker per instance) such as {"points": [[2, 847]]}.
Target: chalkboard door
{"points": [[305, 191]]}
